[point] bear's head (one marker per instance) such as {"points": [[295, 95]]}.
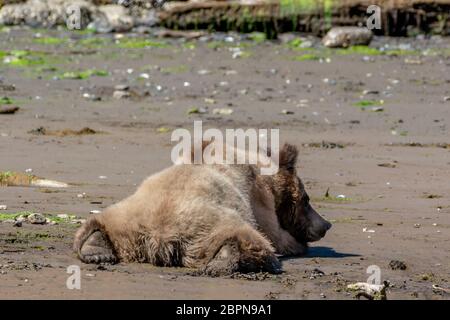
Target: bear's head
{"points": [[293, 209]]}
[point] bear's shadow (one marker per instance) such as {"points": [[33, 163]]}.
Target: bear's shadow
{"points": [[322, 252]]}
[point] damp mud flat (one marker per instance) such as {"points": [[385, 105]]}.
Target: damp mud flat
{"points": [[97, 112]]}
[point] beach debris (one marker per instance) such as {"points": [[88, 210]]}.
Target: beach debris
{"points": [[387, 165], [437, 288], [397, 265], [41, 131], [368, 290], [343, 37], [316, 273]]}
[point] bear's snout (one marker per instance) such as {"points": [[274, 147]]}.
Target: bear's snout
{"points": [[318, 226]]}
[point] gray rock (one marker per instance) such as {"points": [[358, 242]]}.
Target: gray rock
{"points": [[343, 37], [36, 218], [112, 18], [17, 224]]}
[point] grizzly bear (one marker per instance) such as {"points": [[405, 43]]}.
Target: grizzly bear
{"points": [[220, 219]]}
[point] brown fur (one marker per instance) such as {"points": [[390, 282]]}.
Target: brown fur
{"points": [[220, 218]]}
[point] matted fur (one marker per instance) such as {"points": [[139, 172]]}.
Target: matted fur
{"points": [[186, 215]]}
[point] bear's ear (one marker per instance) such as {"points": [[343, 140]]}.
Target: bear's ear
{"points": [[288, 157]]}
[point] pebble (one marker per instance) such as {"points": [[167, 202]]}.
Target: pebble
{"points": [[144, 76]]}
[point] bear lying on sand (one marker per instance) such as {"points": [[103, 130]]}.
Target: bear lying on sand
{"points": [[218, 218]]}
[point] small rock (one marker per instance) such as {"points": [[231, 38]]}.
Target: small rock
{"points": [[3, 207], [121, 94], [397, 265], [447, 98], [36, 218], [284, 111]]}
